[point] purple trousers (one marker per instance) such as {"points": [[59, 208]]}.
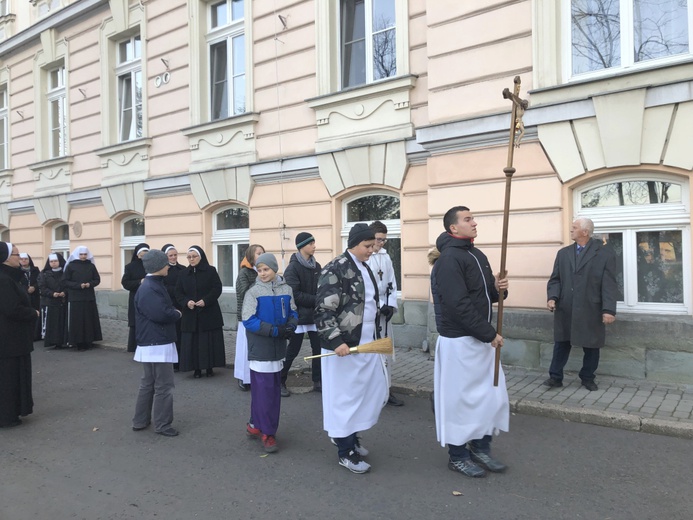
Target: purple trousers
{"points": [[265, 401]]}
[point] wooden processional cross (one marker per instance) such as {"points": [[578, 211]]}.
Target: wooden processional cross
{"points": [[517, 131]]}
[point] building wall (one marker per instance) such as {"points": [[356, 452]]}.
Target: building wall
{"points": [[435, 136]]}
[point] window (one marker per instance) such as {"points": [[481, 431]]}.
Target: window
{"points": [[129, 82], [61, 240], [231, 238], [372, 207], [608, 34], [57, 120], [226, 42], [4, 235], [368, 41], [3, 129], [647, 223], [132, 233], [4, 7]]}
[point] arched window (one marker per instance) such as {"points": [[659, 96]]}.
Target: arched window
{"points": [[382, 206], [131, 233], [60, 242], [230, 238], [646, 219]]}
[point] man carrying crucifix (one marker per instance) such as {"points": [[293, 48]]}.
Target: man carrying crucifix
{"points": [[381, 265], [468, 408]]}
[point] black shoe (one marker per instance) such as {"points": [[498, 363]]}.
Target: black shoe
{"points": [[553, 383], [590, 385], [210, 372], [242, 385], [140, 428], [168, 432], [466, 467], [197, 374], [393, 401], [486, 461], [285, 391]]}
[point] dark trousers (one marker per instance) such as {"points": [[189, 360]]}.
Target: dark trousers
{"points": [[482, 445], [155, 397], [345, 444], [294, 348], [561, 353], [265, 401]]}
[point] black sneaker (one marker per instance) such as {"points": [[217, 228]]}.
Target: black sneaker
{"points": [[353, 462], [590, 385], [553, 383], [486, 461], [285, 391], [466, 467]]}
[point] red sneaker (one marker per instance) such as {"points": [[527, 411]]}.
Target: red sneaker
{"points": [[252, 432], [270, 443]]}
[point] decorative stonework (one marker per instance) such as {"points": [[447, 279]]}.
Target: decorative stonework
{"points": [[52, 177], [124, 197], [221, 185], [220, 144], [125, 162], [52, 208]]}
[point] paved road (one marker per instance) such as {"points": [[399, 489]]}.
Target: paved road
{"points": [[76, 457]]}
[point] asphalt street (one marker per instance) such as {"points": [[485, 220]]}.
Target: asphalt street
{"points": [[76, 457]]}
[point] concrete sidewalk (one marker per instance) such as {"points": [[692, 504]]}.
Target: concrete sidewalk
{"points": [[628, 404]]}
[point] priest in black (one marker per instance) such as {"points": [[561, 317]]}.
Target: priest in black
{"points": [[53, 302], [80, 278]]}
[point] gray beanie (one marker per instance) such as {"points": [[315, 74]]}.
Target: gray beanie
{"points": [[154, 260], [358, 233], [269, 260]]}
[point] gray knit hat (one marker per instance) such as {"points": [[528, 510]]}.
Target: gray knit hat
{"points": [[269, 260], [154, 260], [358, 233]]}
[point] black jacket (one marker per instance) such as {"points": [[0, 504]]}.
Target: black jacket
{"points": [[17, 316], [174, 272], [30, 279], [155, 315], [304, 284], [76, 273], [245, 280], [132, 277], [200, 283], [463, 288], [51, 282]]}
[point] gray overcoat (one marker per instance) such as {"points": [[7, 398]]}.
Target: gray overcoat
{"points": [[583, 287]]}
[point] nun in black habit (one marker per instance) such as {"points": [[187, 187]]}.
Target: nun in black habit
{"points": [[170, 281], [17, 318], [197, 292], [132, 278], [53, 302], [30, 283], [80, 278]]}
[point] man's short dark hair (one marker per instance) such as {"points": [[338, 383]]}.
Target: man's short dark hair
{"points": [[378, 227], [450, 217]]}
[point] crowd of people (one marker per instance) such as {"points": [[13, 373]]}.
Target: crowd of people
{"points": [[175, 323]]}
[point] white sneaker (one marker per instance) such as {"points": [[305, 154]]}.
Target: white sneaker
{"points": [[361, 450], [352, 461]]}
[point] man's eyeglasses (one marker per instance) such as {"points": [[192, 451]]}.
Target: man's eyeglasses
{"points": [[381, 240]]}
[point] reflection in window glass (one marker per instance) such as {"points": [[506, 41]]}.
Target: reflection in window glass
{"points": [[631, 193], [596, 35], [614, 241], [660, 28], [373, 207], [133, 227], [393, 246], [234, 218], [227, 264], [62, 232], [660, 274]]}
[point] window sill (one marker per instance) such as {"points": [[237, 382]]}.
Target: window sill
{"points": [[52, 176], [223, 143]]}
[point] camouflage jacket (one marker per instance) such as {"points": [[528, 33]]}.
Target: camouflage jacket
{"points": [[339, 303]]}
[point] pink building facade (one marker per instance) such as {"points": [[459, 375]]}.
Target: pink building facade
{"points": [[228, 122]]}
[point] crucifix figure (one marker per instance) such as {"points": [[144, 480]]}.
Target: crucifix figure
{"points": [[380, 274], [517, 130]]}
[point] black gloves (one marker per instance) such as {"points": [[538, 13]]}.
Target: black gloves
{"points": [[286, 331], [387, 312]]}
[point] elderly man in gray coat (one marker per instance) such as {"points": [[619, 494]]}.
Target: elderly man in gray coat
{"points": [[582, 294]]}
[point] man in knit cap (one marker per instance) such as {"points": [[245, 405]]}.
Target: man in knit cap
{"points": [[346, 312], [155, 328], [302, 276]]}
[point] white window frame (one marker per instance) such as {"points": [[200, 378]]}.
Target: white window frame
{"points": [[368, 36], [394, 226], [129, 242], [60, 246], [129, 70], [4, 7], [226, 33], [626, 43], [629, 220], [229, 237], [56, 95], [4, 127]]}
